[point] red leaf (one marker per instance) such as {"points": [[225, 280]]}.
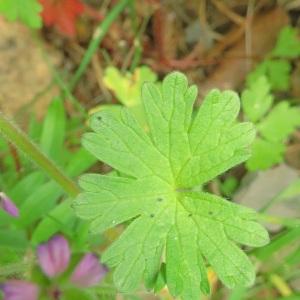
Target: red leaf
{"points": [[62, 14]]}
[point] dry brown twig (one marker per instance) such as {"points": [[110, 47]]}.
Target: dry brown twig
{"points": [[229, 13]]}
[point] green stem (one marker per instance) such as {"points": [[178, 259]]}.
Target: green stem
{"points": [[138, 45], [97, 39], [22, 142], [65, 89]]}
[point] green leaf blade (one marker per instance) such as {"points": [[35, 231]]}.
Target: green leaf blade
{"points": [[159, 170], [288, 43], [265, 154], [110, 144], [26, 11], [219, 223], [280, 122], [257, 100], [230, 262], [167, 122], [183, 254], [53, 133]]}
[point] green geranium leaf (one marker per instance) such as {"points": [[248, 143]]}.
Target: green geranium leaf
{"points": [[280, 122], [257, 100], [156, 192], [27, 11], [277, 68], [277, 72], [288, 43], [265, 154]]}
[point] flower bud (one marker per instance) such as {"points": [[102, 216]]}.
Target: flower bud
{"points": [[88, 272], [54, 256], [19, 290], [8, 206]]}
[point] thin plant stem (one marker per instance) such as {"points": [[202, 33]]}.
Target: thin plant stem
{"points": [[65, 89], [23, 143], [99, 34], [137, 45]]}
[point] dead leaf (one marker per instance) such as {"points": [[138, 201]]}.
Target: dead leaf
{"points": [[232, 70], [62, 14]]}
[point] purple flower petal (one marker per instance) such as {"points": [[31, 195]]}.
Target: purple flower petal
{"points": [[54, 256], [88, 272], [19, 290], [7, 205]]}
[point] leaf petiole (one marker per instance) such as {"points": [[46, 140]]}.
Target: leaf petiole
{"points": [[23, 143]]}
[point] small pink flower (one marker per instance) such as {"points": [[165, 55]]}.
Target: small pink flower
{"points": [[8, 206], [19, 290], [54, 256], [88, 272]]}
